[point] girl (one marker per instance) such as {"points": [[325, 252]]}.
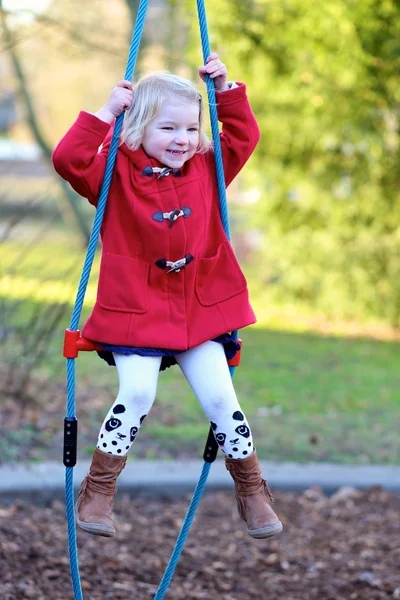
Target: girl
{"points": [[170, 287]]}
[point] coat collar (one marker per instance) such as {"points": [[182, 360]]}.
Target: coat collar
{"points": [[140, 159]]}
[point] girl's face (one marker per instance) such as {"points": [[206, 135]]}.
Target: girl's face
{"points": [[172, 136]]}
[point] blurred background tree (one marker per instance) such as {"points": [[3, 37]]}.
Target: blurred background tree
{"points": [[323, 79]]}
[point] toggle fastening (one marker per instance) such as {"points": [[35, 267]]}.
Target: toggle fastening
{"points": [[162, 172], [173, 215], [177, 265]]}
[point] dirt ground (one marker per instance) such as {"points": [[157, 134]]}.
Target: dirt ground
{"points": [[342, 547]]}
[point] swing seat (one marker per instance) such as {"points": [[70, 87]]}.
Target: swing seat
{"points": [[235, 361], [74, 343]]}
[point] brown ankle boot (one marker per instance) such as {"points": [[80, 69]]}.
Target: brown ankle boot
{"points": [[96, 496], [252, 503]]}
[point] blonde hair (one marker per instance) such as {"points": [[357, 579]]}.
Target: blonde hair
{"points": [[150, 93]]}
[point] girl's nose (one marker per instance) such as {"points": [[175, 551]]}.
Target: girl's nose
{"points": [[181, 137]]}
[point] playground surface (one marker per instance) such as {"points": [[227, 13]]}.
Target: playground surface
{"points": [[340, 547]]}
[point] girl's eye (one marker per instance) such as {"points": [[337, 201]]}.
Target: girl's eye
{"points": [[167, 128], [193, 129]]}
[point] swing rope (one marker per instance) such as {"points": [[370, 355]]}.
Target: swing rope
{"points": [[70, 427], [211, 448], [181, 539], [223, 204], [70, 421]]}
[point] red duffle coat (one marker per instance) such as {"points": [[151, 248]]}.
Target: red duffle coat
{"points": [[138, 303]]}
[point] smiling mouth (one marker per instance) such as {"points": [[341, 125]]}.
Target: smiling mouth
{"points": [[177, 152]]}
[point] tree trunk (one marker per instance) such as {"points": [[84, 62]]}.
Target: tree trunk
{"points": [[72, 199]]}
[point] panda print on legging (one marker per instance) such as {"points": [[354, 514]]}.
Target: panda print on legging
{"points": [[235, 438], [116, 435]]}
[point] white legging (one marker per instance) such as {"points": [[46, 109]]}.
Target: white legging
{"points": [[206, 369]]}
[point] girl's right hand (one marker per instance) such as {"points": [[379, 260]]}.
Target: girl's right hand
{"points": [[120, 99]]}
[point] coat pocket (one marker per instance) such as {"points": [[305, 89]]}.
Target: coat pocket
{"points": [[219, 277], [123, 284]]}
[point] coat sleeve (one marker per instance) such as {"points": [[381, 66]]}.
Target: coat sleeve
{"points": [[240, 130], [77, 158]]}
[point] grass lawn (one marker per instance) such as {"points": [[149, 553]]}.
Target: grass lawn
{"points": [[308, 396]]}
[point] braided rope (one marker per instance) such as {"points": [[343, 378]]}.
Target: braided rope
{"points": [[70, 409], [173, 561], [130, 67], [214, 120], [223, 204], [181, 539]]}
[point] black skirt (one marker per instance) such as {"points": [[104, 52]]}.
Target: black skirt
{"points": [[231, 346]]}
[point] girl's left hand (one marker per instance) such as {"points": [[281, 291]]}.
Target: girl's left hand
{"points": [[217, 71]]}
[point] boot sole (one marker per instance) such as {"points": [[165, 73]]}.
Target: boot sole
{"points": [[265, 532], [94, 528]]}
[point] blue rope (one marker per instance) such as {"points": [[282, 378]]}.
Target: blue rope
{"points": [[130, 67], [180, 542], [69, 484], [73, 550], [69, 496], [223, 204], [176, 553], [214, 120]]}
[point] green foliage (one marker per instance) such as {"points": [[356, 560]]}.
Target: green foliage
{"points": [[322, 78]]}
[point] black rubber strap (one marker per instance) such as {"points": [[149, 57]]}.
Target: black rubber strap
{"points": [[70, 441], [211, 449]]}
